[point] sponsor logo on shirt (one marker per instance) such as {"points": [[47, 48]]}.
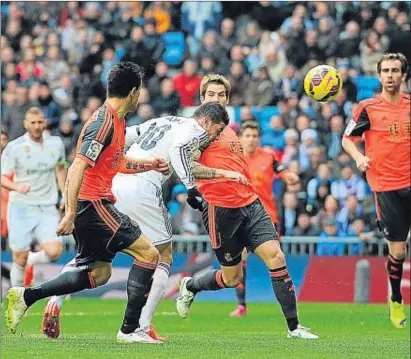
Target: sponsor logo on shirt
{"points": [[350, 127], [94, 150]]}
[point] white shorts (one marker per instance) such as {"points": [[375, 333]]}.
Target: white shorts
{"points": [[24, 221], [142, 201]]}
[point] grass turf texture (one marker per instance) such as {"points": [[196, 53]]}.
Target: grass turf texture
{"points": [[89, 328]]}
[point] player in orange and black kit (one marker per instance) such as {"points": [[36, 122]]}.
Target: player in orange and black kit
{"points": [[101, 230], [235, 219], [384, 124], [263, 166]]}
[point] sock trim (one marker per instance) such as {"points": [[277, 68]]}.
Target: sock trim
{"points": [[91, 280], [151, 266], [164, 266], [219, 279], [277, 274], [243, 264], [395, 261]]}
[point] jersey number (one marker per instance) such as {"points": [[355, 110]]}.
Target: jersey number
{"points": [[149, 139]]}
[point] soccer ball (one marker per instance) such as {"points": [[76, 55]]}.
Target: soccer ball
{"points": [[323, 83]]}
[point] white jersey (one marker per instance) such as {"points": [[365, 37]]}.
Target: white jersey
{"points": [[171, 138], [34, 164]]}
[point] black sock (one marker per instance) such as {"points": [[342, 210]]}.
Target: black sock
{"points": [[240, 289], [65, 283], [394, 270], [139, 283], [285, 293], [5, 272], [210, 280]]}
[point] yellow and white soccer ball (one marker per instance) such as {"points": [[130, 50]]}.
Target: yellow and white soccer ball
{"points": [[323, 83]]}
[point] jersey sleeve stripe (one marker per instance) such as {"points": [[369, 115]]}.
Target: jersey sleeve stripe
{"points": [[86, 159], [106, 118]]}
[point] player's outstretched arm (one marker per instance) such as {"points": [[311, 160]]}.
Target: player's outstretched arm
{"points": [[131, 166], [203, 172], [71, 192]]}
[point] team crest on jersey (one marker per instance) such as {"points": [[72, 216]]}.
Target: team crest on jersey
{"points": [[228, 257], [350, 127], [26, 148], [94, 150]]}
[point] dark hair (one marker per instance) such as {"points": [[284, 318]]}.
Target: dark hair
{"points": [[250, 124], [123, 77], [213, 111], [394, 56]]}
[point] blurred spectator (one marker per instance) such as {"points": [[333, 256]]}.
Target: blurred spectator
{"points": [[304, 227], [251, 35], [156, 10], [348, 184], [329, 230], [168, 102], [372, 48], [227, 34], [13, 121], [274, 137], [348, 84], [50, 108], [260, 91], [187, 83], [211, 48], [309, 138], [348, 214], [312, 50], [239, 82], [246, 114], [349, 42], [63, 94], [207, 66], [290, 84], [290, 149], [275, 62], [333, 140], [54, 67], [323, 175], [154, 42], [197, 18], [135, 48], [327, 37], [289, 213], [299, 14], [154, 83], [66, 132]]}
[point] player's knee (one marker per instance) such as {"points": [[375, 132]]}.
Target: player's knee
{"points": [[20, 258], [233, 280], [399, 254], [166, 258], [54, 253], [102, 275], [277, 259]]}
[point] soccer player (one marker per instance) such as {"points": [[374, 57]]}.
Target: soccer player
{"points": [[140, 196], [263, 165], [37, 162], [235, 219], [101, 230], [384, 124]]}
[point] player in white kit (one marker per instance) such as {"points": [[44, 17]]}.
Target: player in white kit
{"points": [[38, 163], [141, 196]]}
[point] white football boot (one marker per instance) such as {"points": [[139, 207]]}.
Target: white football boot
{"points": [[185, 298]]}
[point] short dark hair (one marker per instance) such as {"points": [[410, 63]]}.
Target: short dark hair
{"points": [[250, 125], [394, 56], [123, 77], [214, 111]]}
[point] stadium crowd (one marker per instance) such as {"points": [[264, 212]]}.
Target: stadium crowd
{"points": [[56, 55]]}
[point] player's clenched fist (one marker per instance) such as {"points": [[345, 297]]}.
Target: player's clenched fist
{"points": [[23, 188], [161, 165], [363, 163], [66, 225], [238, 177]]}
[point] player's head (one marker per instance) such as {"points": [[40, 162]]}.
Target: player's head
{"points": [[250, 136], [124, 82], [215, 88], [392, 71], [35, 123], [213, 117], [4, 139]]}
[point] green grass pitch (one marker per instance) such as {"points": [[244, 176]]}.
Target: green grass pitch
{"points": [[89, 328]]}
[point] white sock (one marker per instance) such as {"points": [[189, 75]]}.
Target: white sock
{"points": [[16, 275], [158, 288], [39, 257]]}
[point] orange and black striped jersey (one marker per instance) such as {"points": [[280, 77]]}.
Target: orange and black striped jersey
{"points": [[101, 145], [385, 128]]}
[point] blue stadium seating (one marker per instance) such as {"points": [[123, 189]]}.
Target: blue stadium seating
{"points": [[367, 86], [175, 47]]}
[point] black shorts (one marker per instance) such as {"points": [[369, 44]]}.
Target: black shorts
{"points": [[394, 213], [101, 231], [233, 229]]}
